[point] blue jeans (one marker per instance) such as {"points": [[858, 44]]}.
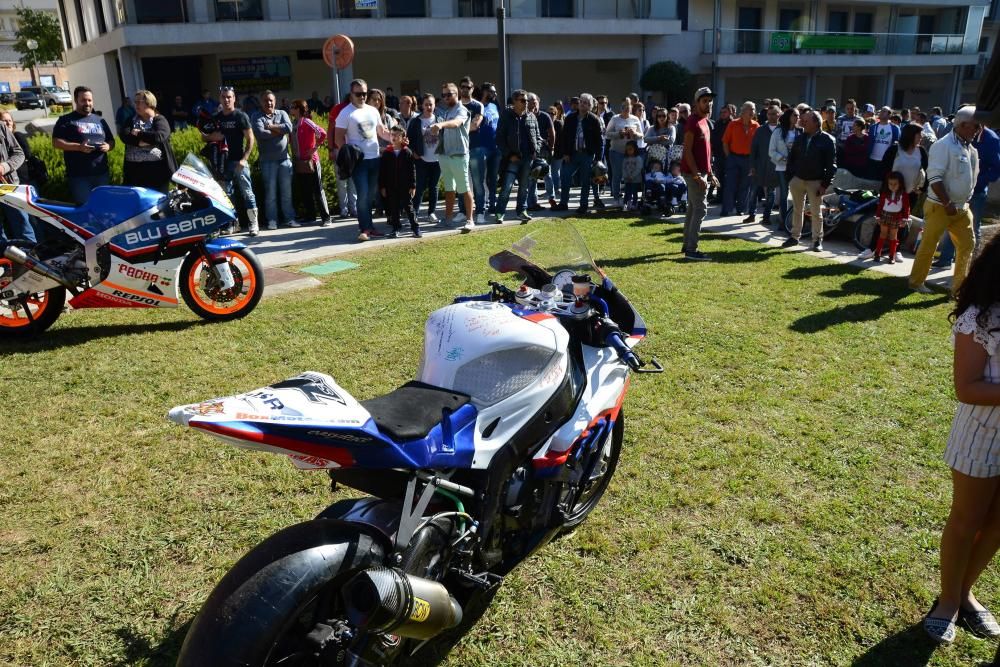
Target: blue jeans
{"points": [[580, 164], [17, 222], [552, 180], [365, 179], [782, 197], [520, 170], [80, 186], [977, 204], [277, 181], [428, 176], [478, 166], [241, 179], [734, 190], [615, 160]]}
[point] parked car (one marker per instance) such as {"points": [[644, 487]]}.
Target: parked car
{"points": [[28, 100], [7, 98], [56, 95]]}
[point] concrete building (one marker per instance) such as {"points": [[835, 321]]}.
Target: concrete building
{"points": [[12, 76], [912, 53]]}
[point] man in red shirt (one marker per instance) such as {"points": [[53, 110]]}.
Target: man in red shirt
{"points": [[696, 166], [347, 196]]}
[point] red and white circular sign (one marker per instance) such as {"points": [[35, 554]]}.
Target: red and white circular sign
{"points": [[338, 51]]}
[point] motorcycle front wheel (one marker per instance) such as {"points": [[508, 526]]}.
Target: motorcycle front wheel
{"points": [[30, 315], [204, 294], [597, 484]]}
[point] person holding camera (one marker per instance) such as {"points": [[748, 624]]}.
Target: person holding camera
{"points": [[85, 139]]}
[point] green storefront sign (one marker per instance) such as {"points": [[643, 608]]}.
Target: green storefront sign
{"points": [[789, 42]]}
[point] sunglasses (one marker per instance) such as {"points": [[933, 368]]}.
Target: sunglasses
{"points": [[361, 94], [226, 89], [466, 87], [447, 94]]}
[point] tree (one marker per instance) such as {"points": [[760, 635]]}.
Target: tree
{"points": [[43, 27], [669, 78]]}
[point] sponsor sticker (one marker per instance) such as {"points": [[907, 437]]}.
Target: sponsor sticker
{"points": [[421, 610]]}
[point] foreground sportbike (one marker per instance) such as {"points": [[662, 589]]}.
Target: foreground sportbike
{"points": [[128, 248], [509, 436]]}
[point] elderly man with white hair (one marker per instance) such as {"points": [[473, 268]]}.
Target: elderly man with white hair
{"points": [[952, 169], [582, 144]]}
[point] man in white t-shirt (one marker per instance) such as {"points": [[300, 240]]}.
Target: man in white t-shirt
{"points": [[881, 136], [361, 126]]}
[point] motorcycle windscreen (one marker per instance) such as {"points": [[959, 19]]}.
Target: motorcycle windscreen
{"points": [[194, 174]]}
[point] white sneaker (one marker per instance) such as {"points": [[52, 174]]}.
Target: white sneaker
{"points": [[468, 227], [459, 218], [294, 224], [432, 218], [923, 289], [362, 236], [480, 219], [867, 253], [271, 226], [899, 256]]}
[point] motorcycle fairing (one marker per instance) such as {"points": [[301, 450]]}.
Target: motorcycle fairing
{"points": [[320, 425], [595, 414], [145, 285]]}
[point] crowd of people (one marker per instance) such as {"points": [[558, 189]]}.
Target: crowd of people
{"points": [[394, 154]]}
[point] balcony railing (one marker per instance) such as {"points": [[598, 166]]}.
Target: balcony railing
{"points": [[785, 42]]}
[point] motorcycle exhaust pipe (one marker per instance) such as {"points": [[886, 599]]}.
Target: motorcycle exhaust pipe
{"points": [[15, 254], [382, 599]]}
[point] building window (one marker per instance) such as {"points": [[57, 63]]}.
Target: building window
{"points": [[348, 9], [64, 22], [790, 19], [475, 8], [102, 26], [864, 22], [159, 11], [557, 8], [79, 21], [748, 21], [238, 10], [405, 8]]}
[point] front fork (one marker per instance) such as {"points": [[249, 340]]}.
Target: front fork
{"points": [[219, 264]]}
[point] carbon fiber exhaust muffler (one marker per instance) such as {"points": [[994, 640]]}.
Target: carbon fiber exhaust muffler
{"points": [[382, 599]]}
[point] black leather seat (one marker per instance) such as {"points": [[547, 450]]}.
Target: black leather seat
{"points": [[410, 412]]}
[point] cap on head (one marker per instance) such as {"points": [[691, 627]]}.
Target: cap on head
{"points": [[869, 108], [704, 91]]}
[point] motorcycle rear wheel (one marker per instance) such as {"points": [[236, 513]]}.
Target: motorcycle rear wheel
{"points": [[202, 293], [598, 484], [264, 609], [45, 308]]}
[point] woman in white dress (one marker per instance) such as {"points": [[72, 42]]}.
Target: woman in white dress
{"points": [[972, 535]]}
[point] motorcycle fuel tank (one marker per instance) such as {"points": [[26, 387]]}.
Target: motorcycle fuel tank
{"points": [[490, 351]]}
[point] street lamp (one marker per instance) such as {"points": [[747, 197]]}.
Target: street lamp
{"points": [[32, 45]]}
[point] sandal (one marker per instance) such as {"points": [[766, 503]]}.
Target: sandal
{"points": [[980, 623], [941, 630]]}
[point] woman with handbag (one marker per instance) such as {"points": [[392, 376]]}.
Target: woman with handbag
{"points": [[149, 159], [306, 138]]}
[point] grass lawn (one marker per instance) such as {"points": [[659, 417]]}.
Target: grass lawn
{"points": [[779, 500]]}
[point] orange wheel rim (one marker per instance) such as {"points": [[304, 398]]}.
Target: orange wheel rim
{"points": [[13, 315], [202, 284]]}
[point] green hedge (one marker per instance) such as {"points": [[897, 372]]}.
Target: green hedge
{"points": [[183, 142]]}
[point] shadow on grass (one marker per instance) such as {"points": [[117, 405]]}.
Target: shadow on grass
{"points": [[911, 647], [140, 650], [632, 261], [70, 336], [887, 295]]}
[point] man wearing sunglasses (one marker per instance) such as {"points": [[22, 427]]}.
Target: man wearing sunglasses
{"points": [[453, 148], [477, 151], [360, 125], [233, 127], [488, 175], [519, 142]]}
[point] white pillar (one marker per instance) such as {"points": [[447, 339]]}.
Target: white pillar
{"points": [[890, 87], [811, 87], [720, 93]]}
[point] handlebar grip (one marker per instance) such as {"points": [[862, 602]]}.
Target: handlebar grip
{"points": [[616, 340]]}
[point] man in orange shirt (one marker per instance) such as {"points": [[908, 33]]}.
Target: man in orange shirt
{"points": [[736, 143]]}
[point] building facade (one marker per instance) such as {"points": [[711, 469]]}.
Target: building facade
{"points": [[899, 53], [12, 76]]}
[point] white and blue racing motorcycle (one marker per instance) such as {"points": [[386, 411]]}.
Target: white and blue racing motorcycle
{"points": [[127, 248], [509, 436]]}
